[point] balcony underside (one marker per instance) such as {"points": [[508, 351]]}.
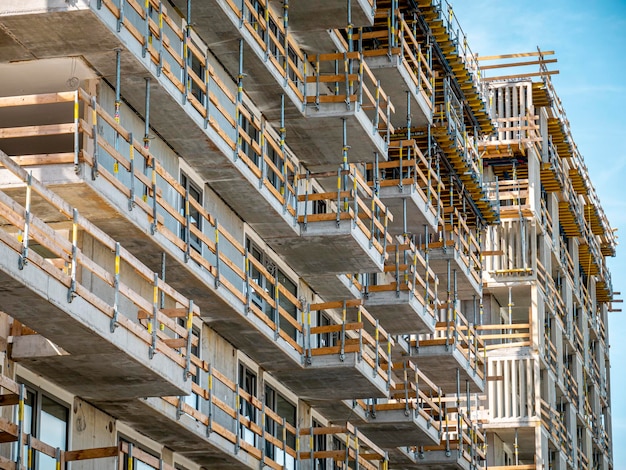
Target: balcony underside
{"points": [[467, 286], [333, 286], [432, 460], [51, 35], [393, 428], [400, 312], [95, 363], [318, 138], [326, 247], [395, 78], [156, 419], [418, 212], [441, 362], [328, 14], [106, 208], [328, 378]]}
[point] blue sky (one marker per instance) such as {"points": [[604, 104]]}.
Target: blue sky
{"points": [[589, 39]]}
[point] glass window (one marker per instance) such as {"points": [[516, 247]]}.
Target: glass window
{"points": [[247, 383], [285, 409], [195, 193], [47, 420]]}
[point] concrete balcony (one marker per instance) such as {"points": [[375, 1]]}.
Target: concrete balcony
{"points": [[270, 63], [93, 343], [235, 292], [403, 296], [411, 417], [460, 448], [404, 66], [453, 353], [455, 257], [341, 231], [351, 447], [344, 346], [408, 184]]}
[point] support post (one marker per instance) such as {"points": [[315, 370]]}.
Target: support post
{"points": [[153, 322], [23, 259], [71, 293], [116, 288]]}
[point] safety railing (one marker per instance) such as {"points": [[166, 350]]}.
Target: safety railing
{"points": [[353, 201], [456, 37], [166, 39], [346, 327], [393, 35], [340, 446], [550, 353], [456, 332], [344, 77], [407, 269], [265, 154], [156, 302], [518, 130], [571, 386], [226, 408], [513, 196], [555, 164], [458, 433], [456, 233], [407, 166], [115, 155], [157, 310], [414, 393], [515, 335], [272, 36], [554, 423]]}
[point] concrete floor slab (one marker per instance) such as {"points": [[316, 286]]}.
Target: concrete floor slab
{"points": [[393, 428], [418, 212], [400, 312]]}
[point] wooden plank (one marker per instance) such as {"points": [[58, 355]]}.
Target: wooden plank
{"points": [[87, 454], [36, 131]]}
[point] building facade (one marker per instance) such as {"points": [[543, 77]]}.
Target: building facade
{"points": [[300, 235]]}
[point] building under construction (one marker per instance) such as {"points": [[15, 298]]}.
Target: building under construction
{"points": [[292, 235]]}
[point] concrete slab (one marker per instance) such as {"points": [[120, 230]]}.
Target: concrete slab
{"points": [[98, 364], [430, 460], [157, 419], [467, 284], [440, 363], [333, 286], [418, 212], [400, 312], [397, 82], [329, 14], [350, 378], [393, 428], [325, 248]]}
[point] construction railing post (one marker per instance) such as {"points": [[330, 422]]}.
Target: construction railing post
{"points": [[246, 261], [285, 40], [276, 306], [71, 293], [160, 65], [209, 427], [376, 349], [153, 325], [131, 171], [20, 428], [94, 135], [116, 288], [188, 347], [342, 347], [217, 254], [76, 131], [187, 226], [120, 19], [118, 99], [308, 334], [238, 115], [23, 259], [146, 28], [283, 152]]}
